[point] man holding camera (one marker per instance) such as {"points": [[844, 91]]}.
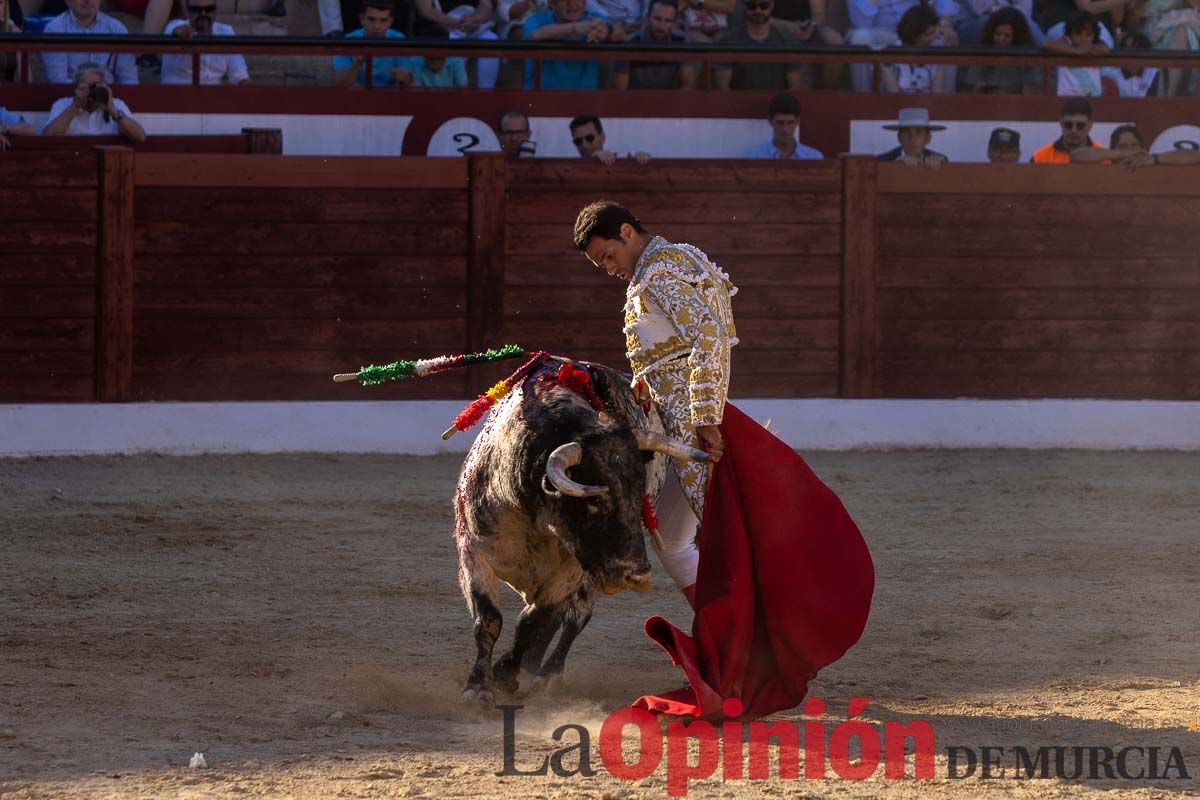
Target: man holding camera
{"points": [[93, 111]]}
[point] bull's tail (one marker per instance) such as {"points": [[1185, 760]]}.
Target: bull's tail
{"points": [[401, 370]]}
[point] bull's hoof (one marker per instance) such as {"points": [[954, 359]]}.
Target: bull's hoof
{"points": [[479, 696], [547, 684]]}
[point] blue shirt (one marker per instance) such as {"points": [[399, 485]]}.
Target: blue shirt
{"points": [[453, 75], [886, 13], [381, 66], [8, 118], [60, 67], [768, 150], [562, 74]]}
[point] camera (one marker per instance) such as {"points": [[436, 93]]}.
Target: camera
{"points": [[527, 148], [98, 94]]}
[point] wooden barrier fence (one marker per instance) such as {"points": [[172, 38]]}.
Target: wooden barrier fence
{"points": [[155, 276]]}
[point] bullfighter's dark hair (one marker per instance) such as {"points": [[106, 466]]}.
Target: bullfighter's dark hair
{"points": [[1076, 105], [783, 104], [916, 21], [604, 219], [1120, 130], [1081, 20], [584, 119]]}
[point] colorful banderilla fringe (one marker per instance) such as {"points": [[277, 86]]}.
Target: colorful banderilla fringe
{"points": [[475, 411], [400, 370]]}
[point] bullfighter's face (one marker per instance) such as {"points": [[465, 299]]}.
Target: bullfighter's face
{"points": [[617, 257]]}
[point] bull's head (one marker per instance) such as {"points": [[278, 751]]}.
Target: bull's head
{"points": [[600, 521]]}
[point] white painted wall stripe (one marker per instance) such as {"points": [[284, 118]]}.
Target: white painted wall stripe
{"points": [[413, 427]]}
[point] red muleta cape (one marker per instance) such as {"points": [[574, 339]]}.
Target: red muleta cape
{"points": [[784, 584]]}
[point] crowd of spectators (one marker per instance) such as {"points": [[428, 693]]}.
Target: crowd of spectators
{"points": [[1061, 27]]}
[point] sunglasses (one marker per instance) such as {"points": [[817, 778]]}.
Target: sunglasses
{"points": [[762, 5], [578, 140], [1073, 125], [202, 9], [514, 133]]}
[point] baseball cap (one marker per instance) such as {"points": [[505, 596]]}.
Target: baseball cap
{"points": [[1004, 138]]}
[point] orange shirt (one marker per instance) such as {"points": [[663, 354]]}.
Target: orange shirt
{"points": [[1055, 153]]}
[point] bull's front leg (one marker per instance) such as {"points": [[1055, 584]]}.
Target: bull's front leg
{"points": [[578, 614], [535, 629], [482, 592]]}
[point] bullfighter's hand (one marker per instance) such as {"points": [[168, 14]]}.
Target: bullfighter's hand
{"points": [[711, 441]]}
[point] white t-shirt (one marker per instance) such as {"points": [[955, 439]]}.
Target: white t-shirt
{"points": [[85, 124], [1136, 86], [213, 67]]}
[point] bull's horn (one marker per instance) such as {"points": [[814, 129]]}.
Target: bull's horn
{"points": [[563, 458], [649, 440]]}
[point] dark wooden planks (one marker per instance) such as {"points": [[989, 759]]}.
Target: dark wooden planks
{"points": [[308, 205], [279, 375], [304, 172], [860, 359], [114, 276], [1040, 303], [269, 237], [749, 239], [1144, 270], [658, 207], [705, 175], [385, 272]]}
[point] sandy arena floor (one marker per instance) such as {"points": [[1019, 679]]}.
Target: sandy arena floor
{"points": [[297, 620]]}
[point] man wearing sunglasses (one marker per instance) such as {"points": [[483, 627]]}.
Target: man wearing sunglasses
{"points": [[757, 31], [587, 134], [1076, 122], [214, 68]]}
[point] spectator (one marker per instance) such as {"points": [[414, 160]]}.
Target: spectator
{"points": [[438, 72], [93, 110], [1075, 118], [1174, 25], [977, 13], [1081, 31], [515, 135], [914, 131], [706, 20], [917, 28], [1053, 13], [1136, 82], [784, 116], [461, 19], [658, 30], [587, 134], [10, 63], [1006, 28], [1004, 146], [214, 69], [376, 19], [154, 14], [12, 123], [83, 16], [627, 14], [568, 21], [511, 14], [1125, 146], [873, 24], [806, 19], [758, 31]]}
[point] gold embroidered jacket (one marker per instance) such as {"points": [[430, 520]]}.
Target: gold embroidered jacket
{"points": [[677, 305]]}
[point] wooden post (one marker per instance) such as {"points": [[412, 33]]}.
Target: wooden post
{"points": [[114, 275], [859, 362], [265, 140], [487, 187]]}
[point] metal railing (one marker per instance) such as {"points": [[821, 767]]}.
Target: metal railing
{"points": [[538, 52]]}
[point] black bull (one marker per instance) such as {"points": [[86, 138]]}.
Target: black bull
{"points": [[555, 539]]}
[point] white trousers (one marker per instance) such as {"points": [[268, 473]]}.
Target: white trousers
{"points": [[678, 526]]}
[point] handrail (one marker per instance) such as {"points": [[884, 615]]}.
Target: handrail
{"points": [[602, 51]]}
